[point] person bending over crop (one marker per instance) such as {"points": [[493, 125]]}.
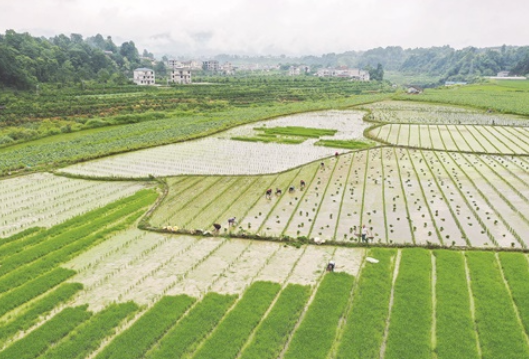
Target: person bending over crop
{"points": [[217, 228], [301, 185], [269, 193], [232, 221], [278, 192]]}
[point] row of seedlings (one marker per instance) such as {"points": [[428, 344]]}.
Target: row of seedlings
{"points": [[255, 217], [366, 322], [372, 213], [302, 215], [117, 283], [396, 211], [352, 200], [194, 205], [456, 336], [478, 231], [242, 202], [410, 327], [30, 315], [40, 259], [179, 197], [49, 206], [515, 270], [212, 201], [446, 225], [212, 268], [500, 331], [99, 277], [419, 210], [44, 337], [89, 335], [287, 202], [512, 216], [326, 221], [316, 333], [146, 330]]}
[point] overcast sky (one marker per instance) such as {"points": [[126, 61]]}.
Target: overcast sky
{"points": [[274, 27]]}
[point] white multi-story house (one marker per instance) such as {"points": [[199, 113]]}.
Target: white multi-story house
{"points": [[181, 75], [144, 76], [353, 74]]}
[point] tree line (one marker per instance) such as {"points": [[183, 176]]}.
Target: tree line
{"points": [[26, 61]]}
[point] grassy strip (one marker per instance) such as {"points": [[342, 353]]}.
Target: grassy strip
{"points": [[20, 235], [454, 325], [273, 332], [193, 328], [37, 342], [500, 333], [271, 139], [88, 337], [32, 289], [229, 337], [135, 341], [365, 325], [58, 242], [516, 272], [27, 272], [347, 144], [82, 221], [411, 317], [43, 306], [315, 335], [297, 131]]}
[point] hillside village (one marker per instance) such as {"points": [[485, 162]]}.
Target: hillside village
{"points": [[180, 72]]}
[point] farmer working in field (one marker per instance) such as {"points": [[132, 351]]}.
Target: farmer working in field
{"points": [[364, 233]]}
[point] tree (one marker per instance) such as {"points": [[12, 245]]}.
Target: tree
{"points": [[376, 74]]}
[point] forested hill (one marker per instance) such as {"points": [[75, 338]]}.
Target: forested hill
{"points": [[443, 62], [26, 60]]}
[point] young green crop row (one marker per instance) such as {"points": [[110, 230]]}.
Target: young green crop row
{"points": [[414, 304], [18, 242], [31, 273], [92, 226], [146, 331], [43, 306], [40, 258], [40, 340], [89, 335]]}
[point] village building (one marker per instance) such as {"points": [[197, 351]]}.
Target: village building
{"points": [[227, 69], [144, 76], [181, 75], [344, 72], [211, 65]]}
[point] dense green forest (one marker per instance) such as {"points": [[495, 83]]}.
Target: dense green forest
{"points": [[26, 61]]}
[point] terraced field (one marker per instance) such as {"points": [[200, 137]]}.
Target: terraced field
{"points": [[221, 155], [120, 292], [403, 196], [93, 285]]}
